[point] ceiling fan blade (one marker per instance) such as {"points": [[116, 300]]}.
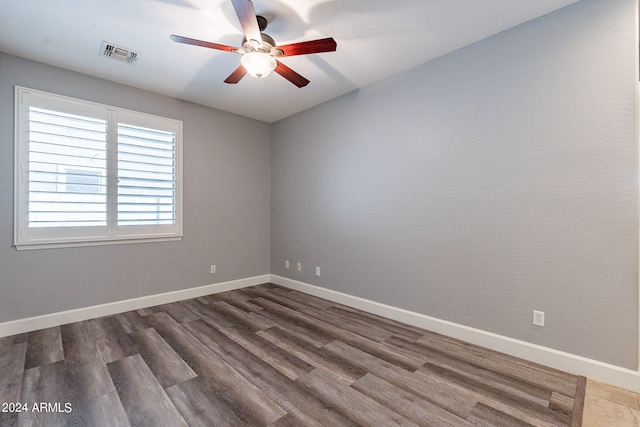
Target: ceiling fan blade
{"points": [[247, 16], [187, 40], [305, 48], [235, 77], [290, 75]]}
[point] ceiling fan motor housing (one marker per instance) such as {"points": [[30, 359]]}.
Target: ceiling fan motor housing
{"points": [[268, 46]]}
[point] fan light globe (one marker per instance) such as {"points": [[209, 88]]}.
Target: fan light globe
{"points": [[258, 64]]}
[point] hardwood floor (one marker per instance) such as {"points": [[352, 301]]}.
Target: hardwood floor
{"points": [[269, 356]]}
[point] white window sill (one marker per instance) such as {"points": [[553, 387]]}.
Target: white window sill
{"points": [[73, 244]]}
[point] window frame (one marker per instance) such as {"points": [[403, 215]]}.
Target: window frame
{"points": [[26, 237]]}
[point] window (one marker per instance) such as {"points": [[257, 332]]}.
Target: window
{"points": [[89, 174]]}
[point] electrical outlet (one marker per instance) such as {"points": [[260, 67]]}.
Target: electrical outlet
{"points": [[538, 318], [286, 264], [299, 267], [318, 271], [213, 269]]}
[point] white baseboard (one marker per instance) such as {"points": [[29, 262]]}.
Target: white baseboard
{"points": [[567, 362], [77, 315]]}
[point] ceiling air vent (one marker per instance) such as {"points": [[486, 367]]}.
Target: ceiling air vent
{"points": [[122, 54]]}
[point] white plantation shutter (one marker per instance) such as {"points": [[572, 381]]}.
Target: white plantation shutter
{"points": [[93, 174], [146, 176], [67, 170]]}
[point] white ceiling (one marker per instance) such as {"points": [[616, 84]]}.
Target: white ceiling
{"points": [[376, 38]]}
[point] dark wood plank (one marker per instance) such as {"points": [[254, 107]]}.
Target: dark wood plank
{"points": [[103, 410], [285, 362], [375, 319], [162, 360], [297, 419], [12, 358], [494, 381], [534, 374], [148, 310], [313, 336], [416, 409], [350, 402], [389, 354], [483, 415], [317, 357], [200, 407], [305, 299], [112, 339], [392, 327], [578, 407], [46, 385], [357, 328], [285, 392], [238, 301], [245, 398], [179, 312], [131, 321], [279, 298], [14, 339], [44, 346], [436, 392], [208, 299], [12, 362], [80, 342], [91, 390], [562, 403], [510, 405], [92, 394], [241, 318], [144, 401], [253, 292], [86, 373], [212, 316]]}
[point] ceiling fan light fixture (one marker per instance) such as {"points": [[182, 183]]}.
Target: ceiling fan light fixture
{"points": [[259, 51], [258, 64]]}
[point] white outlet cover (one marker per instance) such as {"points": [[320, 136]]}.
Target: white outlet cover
{"points": [[318, 271], [286, 264], [538, 318]]}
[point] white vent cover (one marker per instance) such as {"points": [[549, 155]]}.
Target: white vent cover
{"points": [[122, 54]]}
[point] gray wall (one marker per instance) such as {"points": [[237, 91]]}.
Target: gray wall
{"points": [[226, 206], [496, 180]]}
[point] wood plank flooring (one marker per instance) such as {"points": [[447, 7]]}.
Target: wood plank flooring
{"points": [[269, 356]]}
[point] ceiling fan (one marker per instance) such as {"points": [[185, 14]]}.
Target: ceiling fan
{"points": [[259, 51]]}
